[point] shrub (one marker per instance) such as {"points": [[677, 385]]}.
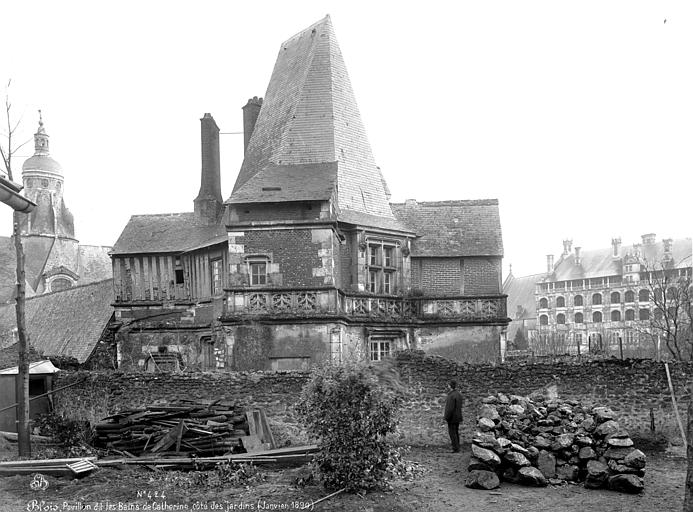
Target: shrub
{"points": [[72, 436], [350, 409]]}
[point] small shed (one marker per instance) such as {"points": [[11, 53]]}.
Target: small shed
{"points": [[40, 382]]}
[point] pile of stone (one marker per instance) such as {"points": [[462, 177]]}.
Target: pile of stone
{"points": [[540, 441]]}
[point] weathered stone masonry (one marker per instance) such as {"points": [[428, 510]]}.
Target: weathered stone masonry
{"points": [[628, 387]]}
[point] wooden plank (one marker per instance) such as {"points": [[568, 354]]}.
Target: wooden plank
{"points": [[170, 438], [267, 431]]}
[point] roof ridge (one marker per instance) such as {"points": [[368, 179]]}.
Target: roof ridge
{"points": [[160, 214], [452, 202]]}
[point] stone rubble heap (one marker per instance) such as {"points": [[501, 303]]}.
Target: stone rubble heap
{"points": [[539, 440]]}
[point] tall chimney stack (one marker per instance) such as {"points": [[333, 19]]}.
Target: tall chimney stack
{"points": [[250, 112], [549, 263], [668, 242], [616, 244], [208, 203], [567, 247], [578, 259]]}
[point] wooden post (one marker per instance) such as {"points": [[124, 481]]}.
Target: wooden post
{"points": [[620, 345], [22, 385], [676, 409], [688, 497]]}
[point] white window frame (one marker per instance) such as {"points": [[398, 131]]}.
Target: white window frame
{"points": [[255, 261], [380, 348]]}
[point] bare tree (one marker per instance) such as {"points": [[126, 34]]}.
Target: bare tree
{"points": [[8, 150], [669, 285]]}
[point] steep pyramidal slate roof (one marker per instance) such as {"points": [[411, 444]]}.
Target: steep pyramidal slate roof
{"points": [[453, 228], [309, 116]]}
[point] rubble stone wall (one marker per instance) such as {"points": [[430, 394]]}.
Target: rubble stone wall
{"points": [[629, 388]]}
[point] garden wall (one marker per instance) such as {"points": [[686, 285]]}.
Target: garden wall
{"points": [[631, 388]]}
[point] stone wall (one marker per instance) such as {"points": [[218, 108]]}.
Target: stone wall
{"points": [[630, 388]]}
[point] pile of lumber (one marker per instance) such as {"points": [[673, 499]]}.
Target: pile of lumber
{"points": [[202, 428]]}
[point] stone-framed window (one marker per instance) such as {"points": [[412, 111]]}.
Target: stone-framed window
{"points": [[543, 320], [615, 315], [383, 266], [597, 299], [644, 295], [615, 297], [630, 296], [257, 269], [644, 314], [380, 348], [560, 302], [560, 318], [630, 315], [597, 317], [543, 303], [578, 300], [579, 318]]}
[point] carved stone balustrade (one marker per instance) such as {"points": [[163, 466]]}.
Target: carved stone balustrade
{"points": [[244, 302]]}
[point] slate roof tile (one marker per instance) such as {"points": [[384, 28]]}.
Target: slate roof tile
{"points": [[453, 228], [168, 232], [64, 323]]}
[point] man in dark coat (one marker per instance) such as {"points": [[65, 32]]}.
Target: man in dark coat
{"points": [[453, 415]]}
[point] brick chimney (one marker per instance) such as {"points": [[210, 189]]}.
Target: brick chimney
{"points": [[616, 244], [578, 259], [208, 204], [549, 263], [649, 239], [567, 247], [250, 112]]}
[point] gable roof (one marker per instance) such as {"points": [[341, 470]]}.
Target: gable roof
{"points": [[453, 228], [520, 292], [64, 323], [309, 116], [167, 232], [601, 263]]}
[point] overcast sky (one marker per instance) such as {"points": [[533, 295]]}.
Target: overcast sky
{"points": [[577, 116]]}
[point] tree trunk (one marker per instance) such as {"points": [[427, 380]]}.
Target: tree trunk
{"points": [[22, 384], [688, 500]]}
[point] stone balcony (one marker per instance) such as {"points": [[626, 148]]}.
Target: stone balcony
{"points": [[330, 302]]}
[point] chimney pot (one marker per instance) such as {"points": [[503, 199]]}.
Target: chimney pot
{"points": [[616, 244], [578, 259], [549, 263], [567, 247]]}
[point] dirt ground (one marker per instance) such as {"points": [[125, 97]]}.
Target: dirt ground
{"points": [[439, 486]]}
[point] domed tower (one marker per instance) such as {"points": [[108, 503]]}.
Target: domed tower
{"points": [[43, 184], [48, 232]]}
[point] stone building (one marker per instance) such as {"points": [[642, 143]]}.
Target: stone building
{"points": [[604, 300], [54, 258], [307, 260]]}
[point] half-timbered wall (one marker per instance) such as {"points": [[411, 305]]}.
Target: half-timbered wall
{"points": [[163, 277]]}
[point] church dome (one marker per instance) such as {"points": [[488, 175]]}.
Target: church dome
{"points": [[42, 163]]}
